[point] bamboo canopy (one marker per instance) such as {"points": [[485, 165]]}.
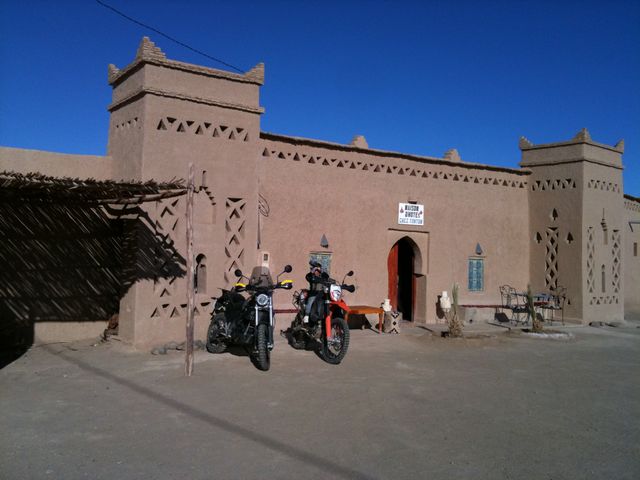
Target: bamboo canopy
{"points": [[35, 186]]}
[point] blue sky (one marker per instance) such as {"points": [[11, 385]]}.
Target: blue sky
{"points": [[414, 77]]}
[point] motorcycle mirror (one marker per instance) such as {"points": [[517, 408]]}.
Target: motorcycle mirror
{"points": [[350, 273], [238, 272], [287, 268]]}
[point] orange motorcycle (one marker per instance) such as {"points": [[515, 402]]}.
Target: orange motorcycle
{"points": [[322, 327]]}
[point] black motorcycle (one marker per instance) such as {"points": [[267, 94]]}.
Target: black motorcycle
{"points": [[247, 321]]}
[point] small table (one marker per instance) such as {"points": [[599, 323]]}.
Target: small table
{"points": [[364, 310]]}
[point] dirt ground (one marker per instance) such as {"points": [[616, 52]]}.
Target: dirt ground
{"points": [[399, 407]]}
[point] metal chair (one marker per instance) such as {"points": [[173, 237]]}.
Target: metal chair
{"points": [[514, 301], [558, 297]]}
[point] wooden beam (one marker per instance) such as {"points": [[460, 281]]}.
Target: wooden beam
{"points": [[190, 275]]}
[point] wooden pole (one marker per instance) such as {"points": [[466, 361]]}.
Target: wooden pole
{"points": [[190, 275]]}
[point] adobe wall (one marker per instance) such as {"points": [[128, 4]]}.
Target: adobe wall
{"points": [[631, 257], [555, 235], [56, 164], [351, 195], [603, 218]]}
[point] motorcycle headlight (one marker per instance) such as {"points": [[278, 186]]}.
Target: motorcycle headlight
{"points": [[336, 294], [262, 300]]}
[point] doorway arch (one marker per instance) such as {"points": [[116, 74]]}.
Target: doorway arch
{"points": [[404, 264]]}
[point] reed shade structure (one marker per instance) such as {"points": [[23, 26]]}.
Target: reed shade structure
{"points": [[26, 196], [37, 187]]}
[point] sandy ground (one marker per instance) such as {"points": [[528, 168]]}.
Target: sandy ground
{"points": [[400, 406]]}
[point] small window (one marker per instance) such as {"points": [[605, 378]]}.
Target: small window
{"points": [[476, 274], [323, 258], [635, 249], [201, 274]]}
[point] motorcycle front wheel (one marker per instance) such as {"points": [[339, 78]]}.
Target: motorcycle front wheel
{"points": [[262, 356], [214, 342], [335, 347]]}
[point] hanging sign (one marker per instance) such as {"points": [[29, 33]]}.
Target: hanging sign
{"points": [[410, 214]]}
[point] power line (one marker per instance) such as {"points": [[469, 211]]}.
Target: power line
{"points": [[167, 36]]}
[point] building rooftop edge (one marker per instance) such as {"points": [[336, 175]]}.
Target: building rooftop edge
{"points": [[387, 153], [148, 53], [8, 149], [582, 137]]}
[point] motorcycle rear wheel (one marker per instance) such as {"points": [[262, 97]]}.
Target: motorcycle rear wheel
{"points": [[262, 355], [214, 343], [333, 351]]}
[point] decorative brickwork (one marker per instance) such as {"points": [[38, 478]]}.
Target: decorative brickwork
{"points": [[551, 259], [234, 237], [128, 125], [590, 260], [207, 129], [631, 205], [167, 225], [556, 184], [390, 169], [603, 185], [604, 300], [615, 265]]}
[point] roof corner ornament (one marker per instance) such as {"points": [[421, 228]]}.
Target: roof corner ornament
{"points": [[359, 141], [256, 73], [147, 50], [452, 155], [112, 72], [583, 135], [620, 146], [524, 143]]}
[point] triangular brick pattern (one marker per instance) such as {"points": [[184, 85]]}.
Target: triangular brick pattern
{"points": [[202, 128], [388, 168], [604, 300], [128, 126], [615, 265], [632, 206], [551, 259], [603, 185], [235, 218], [553, 184], [202, 308], [168, 222]]}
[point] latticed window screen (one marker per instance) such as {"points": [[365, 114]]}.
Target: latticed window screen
{"points": [[476, 274], [615, 268], [551, 259], [590, 260], [234, 237]]}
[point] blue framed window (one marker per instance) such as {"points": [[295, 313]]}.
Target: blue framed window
{"points": [[476, 274], [323, 258]]}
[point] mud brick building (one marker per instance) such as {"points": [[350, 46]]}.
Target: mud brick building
{"points": [[561, 219]]}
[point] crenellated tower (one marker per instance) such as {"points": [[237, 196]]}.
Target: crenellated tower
{"points": [[164, 115], [576, 223]]}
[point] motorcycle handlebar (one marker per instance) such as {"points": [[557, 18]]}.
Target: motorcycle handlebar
{"points": [[349, 288], [253, 288]]}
